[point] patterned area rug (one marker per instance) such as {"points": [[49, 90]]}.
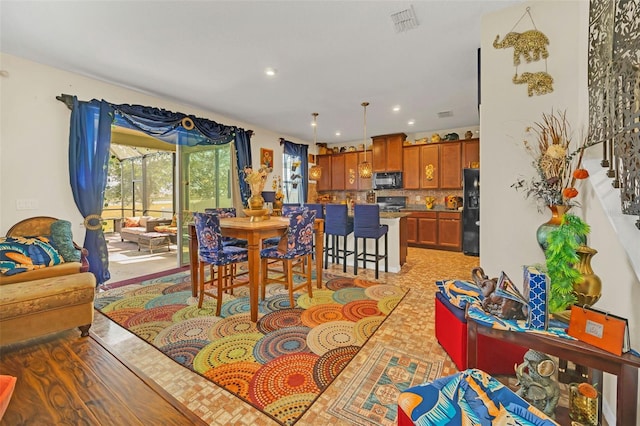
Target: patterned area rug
{"points": [[370, 399], [281, 363]]}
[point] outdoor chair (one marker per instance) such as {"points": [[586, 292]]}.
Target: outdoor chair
{"points": [[220, 259], [294, 250]]}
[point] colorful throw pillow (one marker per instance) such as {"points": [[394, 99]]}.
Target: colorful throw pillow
{"points": [[131, 222], [144, 219], [62, 240], [459, 293], [21, 254]]}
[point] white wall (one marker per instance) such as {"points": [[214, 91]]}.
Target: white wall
{"points": [[509, 221], [34, 137]]}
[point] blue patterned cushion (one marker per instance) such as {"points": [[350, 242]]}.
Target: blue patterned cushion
{"points": [[21, 254], [459, 293], [210, 242], [62, 240], [299, 237]]}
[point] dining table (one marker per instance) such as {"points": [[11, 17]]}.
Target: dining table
{"points": [[254, 232]]}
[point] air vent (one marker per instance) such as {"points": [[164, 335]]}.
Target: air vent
{"points": [[445, 114], [404, 20]]}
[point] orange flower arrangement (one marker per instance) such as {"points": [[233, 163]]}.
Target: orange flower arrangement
{"points": [[557, 166]]}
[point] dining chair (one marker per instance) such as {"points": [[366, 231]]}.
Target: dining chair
{"points": [[287, 210], [220, 259], [319, 209], [294, 251], [224, 212], [337, 224], [366, 225]]}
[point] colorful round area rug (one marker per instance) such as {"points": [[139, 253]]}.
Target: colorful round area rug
{"points": [[279, 364]]}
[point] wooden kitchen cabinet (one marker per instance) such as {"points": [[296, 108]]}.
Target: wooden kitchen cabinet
{"points": [[364, 184], [430, 166], [451, 165], [435, 229], [470, 152], [324, 161], [449, 231], [350, 171], [387, 152], [411, 167], [337, 172]]}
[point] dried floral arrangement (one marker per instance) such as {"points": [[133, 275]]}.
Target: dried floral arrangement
{"points": [[557, 160], [256, 178]]}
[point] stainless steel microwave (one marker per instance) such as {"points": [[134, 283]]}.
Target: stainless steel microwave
{"points": [[387, 180]]}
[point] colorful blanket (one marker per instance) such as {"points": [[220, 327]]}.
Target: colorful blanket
{"points": [[471, 397]]}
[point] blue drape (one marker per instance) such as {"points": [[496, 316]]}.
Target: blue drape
{"points": [[300, 151], [89, 140], [243, 158]]}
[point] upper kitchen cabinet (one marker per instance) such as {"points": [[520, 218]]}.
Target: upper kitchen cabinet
{"points": [[450, 165], [364, 184], [338, 172], [350, 171], [421, 166], [411, 167], [387, 152], [324, 161], [470, 153]]}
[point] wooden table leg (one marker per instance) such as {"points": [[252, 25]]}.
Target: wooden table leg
{"points": [[319, 251], [253, 264], [193, 259]]}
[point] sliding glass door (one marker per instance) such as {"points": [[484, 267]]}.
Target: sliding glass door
{"points": [[205, 182]]}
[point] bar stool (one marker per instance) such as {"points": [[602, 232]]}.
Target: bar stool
{"points": [[337, 224], [319, 209], [367, 225]]}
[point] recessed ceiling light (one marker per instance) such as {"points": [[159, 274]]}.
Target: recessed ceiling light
{"points": [[396, 108], [271, 72], [338, 133], [411, 122]]}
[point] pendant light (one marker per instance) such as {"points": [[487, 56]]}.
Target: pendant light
{"points": [[365, 170], [315, 171]]}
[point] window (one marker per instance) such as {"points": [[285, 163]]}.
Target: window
{"points": [[291, 178]]}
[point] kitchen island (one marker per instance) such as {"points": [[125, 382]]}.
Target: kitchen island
{"points": [[397, 240]]}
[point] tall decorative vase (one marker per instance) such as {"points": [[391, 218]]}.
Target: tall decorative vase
{"points": [[543, 230], [588, 290], [256, 202]]}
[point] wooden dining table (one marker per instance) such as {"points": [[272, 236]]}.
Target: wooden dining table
{"points": [[254, 233]]}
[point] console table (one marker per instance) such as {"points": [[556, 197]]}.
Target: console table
{"points": [[624, 367]]}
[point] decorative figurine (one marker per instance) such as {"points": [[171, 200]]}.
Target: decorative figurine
{"points": [[539, 83], [535, 377], [531, 45]]}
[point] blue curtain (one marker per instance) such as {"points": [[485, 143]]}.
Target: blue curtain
{"points": [[89, 140], [243, 159], [300, 151]]}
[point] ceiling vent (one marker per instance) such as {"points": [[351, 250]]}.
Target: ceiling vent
{"points": [[445, 114], [404, 20]]}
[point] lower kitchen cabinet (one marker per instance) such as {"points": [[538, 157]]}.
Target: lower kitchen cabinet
{"points": [[435, 229]]}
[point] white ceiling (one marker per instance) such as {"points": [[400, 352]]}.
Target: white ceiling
{"points": [[330, 56]]}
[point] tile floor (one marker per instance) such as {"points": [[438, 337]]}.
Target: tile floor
{"points": [[410, 328]]}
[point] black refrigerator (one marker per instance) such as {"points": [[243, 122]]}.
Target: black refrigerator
{"points": [[471, 213]]}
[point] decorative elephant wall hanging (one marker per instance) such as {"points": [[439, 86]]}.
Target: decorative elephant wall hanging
{"points": [[531, 45], [539, 83]]}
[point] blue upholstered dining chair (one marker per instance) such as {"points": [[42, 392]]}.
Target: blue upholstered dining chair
{"points": [[223, 212], [294, 251], [337, 224], [319, 209], [287, 210], [366, 225], [220, 259]]}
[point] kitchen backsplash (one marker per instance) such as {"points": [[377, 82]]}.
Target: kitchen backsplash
{"points": [[413, 196]]}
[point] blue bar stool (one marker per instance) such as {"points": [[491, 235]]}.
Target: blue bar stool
{"points": [[337, 224], [319, 209], [367, 225]]}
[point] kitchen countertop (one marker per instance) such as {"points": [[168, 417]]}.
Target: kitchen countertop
{"points": [[423, 208]]}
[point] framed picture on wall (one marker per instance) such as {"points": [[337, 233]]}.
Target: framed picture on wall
{"points": [[266, 157]]}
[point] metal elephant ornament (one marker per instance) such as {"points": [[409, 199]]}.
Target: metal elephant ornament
{"points": [[531, 45], [539, 83]]}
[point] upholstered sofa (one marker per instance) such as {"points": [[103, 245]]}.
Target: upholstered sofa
{"points": [[130, 228], [45, 285]]}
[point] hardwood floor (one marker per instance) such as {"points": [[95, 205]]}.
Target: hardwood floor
{"points": [[66, 379]]}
